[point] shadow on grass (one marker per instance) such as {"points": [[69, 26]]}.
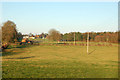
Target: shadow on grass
{"points": [[21, 57], [19, 46], [14, 50], [92, 51], [6, 53]]}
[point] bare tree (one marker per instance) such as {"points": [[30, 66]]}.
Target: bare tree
{"points": [[54, 35]]}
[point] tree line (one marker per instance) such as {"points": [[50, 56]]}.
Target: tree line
{"points": [[93, 36], [10, 34], [78, 36]]}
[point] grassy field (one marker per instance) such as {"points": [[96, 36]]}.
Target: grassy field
{"points": [[60, 62]]}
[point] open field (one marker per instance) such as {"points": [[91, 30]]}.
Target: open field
{"points": [[51, 61]]}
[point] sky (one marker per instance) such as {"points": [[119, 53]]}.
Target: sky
{"points": [[38, 17], [59, 0]]}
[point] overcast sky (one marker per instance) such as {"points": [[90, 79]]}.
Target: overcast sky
{"points": [[38, 17]]}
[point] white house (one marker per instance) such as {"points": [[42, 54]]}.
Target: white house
{"points": [[25, 36], [32, 37]]}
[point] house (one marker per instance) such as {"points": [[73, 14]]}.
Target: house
{"points": [[32, 37], [37, 36], [25, 36], [43, 37]]}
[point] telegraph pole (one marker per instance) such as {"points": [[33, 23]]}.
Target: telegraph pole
{"points": [[74, 38], [87, 42]]}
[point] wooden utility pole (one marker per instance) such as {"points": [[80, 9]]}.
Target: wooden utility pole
{"points": [[88, 43], [74, 38]]}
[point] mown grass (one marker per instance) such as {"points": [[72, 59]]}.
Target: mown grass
{"points": [[61, 62]]}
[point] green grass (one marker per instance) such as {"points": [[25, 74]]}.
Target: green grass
{"points": [[60, 62]]}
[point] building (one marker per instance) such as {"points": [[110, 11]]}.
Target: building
{"points": [[32, 37], [25, 36]]}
